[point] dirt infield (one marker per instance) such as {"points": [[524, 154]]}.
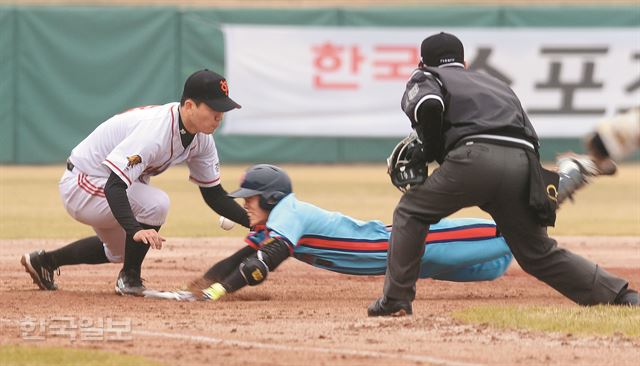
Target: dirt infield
{"points": [[302, 315]]}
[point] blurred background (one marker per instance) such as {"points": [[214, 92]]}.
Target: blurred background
{"points": [[319, 82]]}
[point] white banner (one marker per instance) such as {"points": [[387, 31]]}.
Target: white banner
{"points": [[347, 81]]}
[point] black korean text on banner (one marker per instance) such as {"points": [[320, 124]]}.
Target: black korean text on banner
{"points": [[481, 63], [568, 89], [633, 86]]}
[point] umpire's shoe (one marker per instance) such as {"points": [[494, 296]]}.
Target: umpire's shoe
{"points": [[385, 306], [40, 270], [130, 283], [627, 297]]}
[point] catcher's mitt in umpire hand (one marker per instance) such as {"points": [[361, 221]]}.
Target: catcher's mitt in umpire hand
{"points": [[406, 165]]}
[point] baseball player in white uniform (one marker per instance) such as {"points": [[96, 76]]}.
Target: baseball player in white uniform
{"points": [[106, 183], [614, 139]]}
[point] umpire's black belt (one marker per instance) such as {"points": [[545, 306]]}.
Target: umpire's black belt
{"points": [[497, 140]]}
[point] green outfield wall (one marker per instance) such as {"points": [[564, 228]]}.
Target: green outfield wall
{"points": [[63, 70]]}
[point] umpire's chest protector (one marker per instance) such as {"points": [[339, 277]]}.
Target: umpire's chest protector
{"points": [[476, 103]]}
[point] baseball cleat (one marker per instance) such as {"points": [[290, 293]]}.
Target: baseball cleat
{"points": [[130, 283], [40, 272], [385, 306], [576, 170], [588, 166]]}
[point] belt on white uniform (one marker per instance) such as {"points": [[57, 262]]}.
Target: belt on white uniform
{"points": [[70, 165]]}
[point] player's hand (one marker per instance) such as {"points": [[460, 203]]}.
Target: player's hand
{"points": [[150, 237]]}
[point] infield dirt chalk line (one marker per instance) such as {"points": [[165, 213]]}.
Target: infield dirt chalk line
{"points": [[339, 351]]}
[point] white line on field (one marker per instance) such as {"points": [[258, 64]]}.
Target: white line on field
{"points": [[337, 351], [340, 351]]}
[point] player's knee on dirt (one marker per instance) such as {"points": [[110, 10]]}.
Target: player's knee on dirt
{"points": [[254, 271]]}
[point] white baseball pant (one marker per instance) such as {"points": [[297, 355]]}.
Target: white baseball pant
{"points": [[83, 198]]}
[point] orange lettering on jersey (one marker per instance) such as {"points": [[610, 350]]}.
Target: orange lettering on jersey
{"points": [[133, 160], [224, 87]]}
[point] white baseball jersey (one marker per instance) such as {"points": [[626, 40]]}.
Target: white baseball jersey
{"points": [[135, 145], [621, 134], [144, 142]]}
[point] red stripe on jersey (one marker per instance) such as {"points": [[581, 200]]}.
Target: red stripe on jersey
{"points": [[344, 245], [118, 169], [203, 182], [468, 233], [251, 244], [438, 236], [155, 170]]}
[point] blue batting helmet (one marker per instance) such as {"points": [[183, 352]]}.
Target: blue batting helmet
{"points": [[269, 181]]}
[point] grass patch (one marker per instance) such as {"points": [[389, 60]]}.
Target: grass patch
{"points": [[54, 356], [601, 320], [30, 205]]}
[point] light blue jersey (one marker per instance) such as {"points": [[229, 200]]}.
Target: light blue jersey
{"points": [[455, 249]]}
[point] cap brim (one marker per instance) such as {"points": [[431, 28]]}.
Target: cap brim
{"points": [[222, 104], [243, 193]]}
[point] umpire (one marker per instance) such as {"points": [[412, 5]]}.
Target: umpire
{"points": [[475, 127]]}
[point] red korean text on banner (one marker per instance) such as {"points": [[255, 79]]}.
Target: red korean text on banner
{"points": [[394, 62], [331, 62]]}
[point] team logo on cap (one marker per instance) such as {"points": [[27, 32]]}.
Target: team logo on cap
{"points": [[224, 87], [133, 160]]}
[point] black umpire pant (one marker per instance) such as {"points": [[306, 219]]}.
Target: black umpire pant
{"points": [[495, 178]]}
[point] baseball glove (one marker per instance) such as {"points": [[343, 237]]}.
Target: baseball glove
{"points": [[406, 165]]}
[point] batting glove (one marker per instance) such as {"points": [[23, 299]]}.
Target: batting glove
{"points": [[214, 292]]}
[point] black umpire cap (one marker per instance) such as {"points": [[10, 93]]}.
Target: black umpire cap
{"points": [[211, 88], [441, 49]]}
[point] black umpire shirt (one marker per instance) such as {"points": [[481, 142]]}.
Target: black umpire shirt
{"points": [[472, 103]]}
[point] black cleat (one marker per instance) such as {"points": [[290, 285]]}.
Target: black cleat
{"points": [[41, 273], [385, 306], [627, 297], [130, 283]]}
